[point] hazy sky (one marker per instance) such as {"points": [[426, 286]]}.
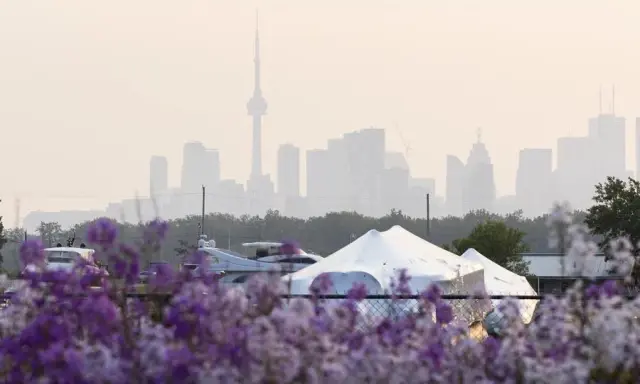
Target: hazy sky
{"points": [[89, 90]]}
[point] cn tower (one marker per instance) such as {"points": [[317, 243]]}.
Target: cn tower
{"points": [[256, 108]]}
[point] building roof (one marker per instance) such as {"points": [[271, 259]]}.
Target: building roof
{"points": [[550, 265]]}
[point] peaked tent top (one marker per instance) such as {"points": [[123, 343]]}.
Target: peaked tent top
{"points": [[499, 280], [383, 254]]}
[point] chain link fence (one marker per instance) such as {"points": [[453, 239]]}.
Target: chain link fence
{"points": [[466, 309]]}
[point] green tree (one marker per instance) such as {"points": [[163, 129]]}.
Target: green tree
{"points": [[615, 215], [615, 212], [50, 233], [498, 242]]}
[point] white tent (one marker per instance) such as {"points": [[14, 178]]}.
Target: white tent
{"points": [[377, 257], [500, 281]]}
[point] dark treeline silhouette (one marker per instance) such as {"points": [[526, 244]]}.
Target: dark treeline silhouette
{"points": [[322, 235]]}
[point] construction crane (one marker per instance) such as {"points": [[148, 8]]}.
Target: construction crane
{"points": [[405, 144]]}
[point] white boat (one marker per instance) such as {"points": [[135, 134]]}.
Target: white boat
{"points": [[259, 257], [65, 258]]}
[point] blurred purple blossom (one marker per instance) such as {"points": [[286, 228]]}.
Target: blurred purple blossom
{"points": [[321, 285], [57, 329], [31, 252], [358, 292], [289, 247], [444, 313], [432, 294], [102, 232]]}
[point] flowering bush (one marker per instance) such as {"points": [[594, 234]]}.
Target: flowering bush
{"points": [[58, 329]]}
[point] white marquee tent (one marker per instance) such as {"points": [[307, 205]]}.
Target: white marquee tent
{"points": [[500, 281], [377, 257]]}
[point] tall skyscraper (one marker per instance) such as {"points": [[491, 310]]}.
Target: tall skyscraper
{"points": [[158, 175], [575, 174], [211, 168], [193, 159], [341, 186], [534, 181], [288, 171], [318, 181], [366, 161], [455, 185], [607, 132], [256, 108], [479, 191]]}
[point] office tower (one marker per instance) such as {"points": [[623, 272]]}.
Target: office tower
{"points": [[366, 161], [341, 197], [288, 171], [455, 185], [417, 200], [193, 159], [479, 191], [425, 183], [394, 184], [230, 198], [534, 181], [158, 175], [394, 190], [575, 177], [319, 181], [607, 132], [211, 168]]}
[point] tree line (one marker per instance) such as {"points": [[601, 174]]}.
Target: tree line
{"points": [[615, 213], [321, 235]]}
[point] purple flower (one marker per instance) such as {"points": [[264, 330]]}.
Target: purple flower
{"points": [[163, 276], [289, 247], [321, 284], [401, 288], [444, 313], [156, 230], [31, 252], [102, 232], [610, 288], [58, 329], [432, 294], [434, 353], [201, 258], [358, 292]]}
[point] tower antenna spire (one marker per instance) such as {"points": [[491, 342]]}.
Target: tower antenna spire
{"points": [[600, 102], [479, 134], [613, 99]]}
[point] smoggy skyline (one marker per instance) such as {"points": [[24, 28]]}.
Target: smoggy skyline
{"points": [[88, 92]]}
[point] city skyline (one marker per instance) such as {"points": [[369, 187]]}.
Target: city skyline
{"points": [[435, 109]]}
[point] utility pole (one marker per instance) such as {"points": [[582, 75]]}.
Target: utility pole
{"points": [[428, 218], [202, 218]]}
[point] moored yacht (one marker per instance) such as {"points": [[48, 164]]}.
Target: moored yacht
{"points": [[236, 267], [61, 258]]}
